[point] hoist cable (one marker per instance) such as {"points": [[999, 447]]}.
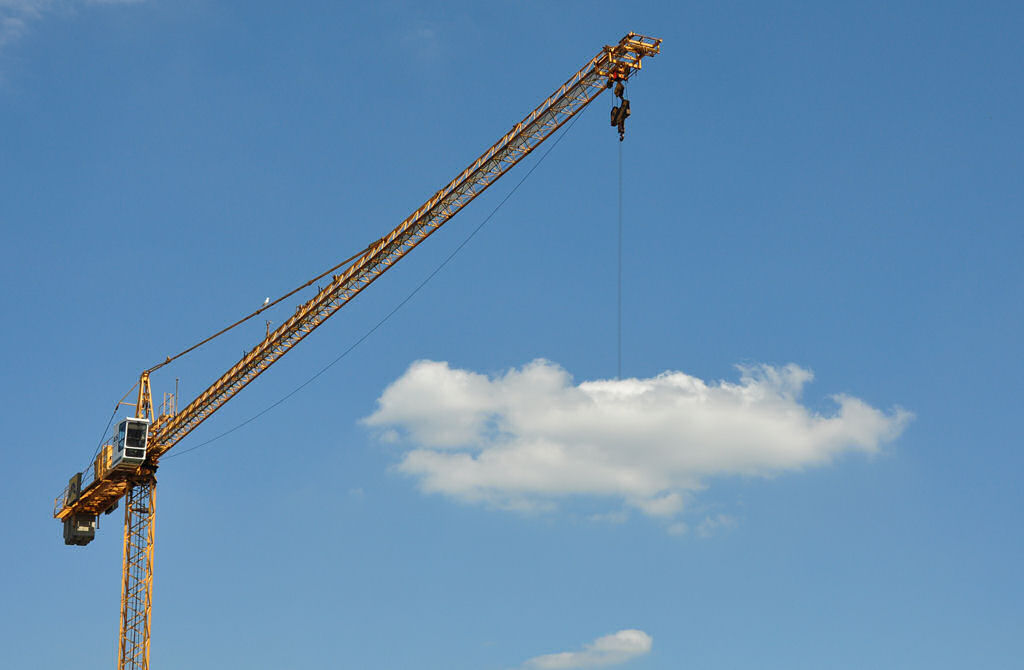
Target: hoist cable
{"points": [[397, 307], [619, 373]]}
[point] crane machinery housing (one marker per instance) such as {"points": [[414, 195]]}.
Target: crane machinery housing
{"points": [[125, 468]]}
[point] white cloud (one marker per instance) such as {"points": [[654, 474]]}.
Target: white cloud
{"points": [[16, 15], [426, 44], [525, 438], [424, 41], [608, 650], [616, 517], [710, 524], [678, 528]]}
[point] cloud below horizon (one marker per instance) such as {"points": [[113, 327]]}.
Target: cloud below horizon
{"points": [[611, 649], [531, 436]]}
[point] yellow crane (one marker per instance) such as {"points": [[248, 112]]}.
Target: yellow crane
{"points": [[126, 467]]}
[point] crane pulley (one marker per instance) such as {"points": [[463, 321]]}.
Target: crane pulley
{"points": [[126, 467], [621, 111]]}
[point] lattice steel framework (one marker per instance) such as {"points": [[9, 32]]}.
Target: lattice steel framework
{"points": [[621, 61], [137, 574], [99, 494]]}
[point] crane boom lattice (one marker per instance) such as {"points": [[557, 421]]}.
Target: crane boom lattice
{"points": [[126, 468]]}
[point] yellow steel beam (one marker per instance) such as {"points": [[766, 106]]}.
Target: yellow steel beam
{"points": [[137, 574], [139, 487], [620, 61], [623, 59]]}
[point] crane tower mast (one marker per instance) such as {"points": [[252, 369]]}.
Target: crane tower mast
{"points": [[126, 468]]}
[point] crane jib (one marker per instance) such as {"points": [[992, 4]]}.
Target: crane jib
{"points": [[129, 470], [617, 62]]}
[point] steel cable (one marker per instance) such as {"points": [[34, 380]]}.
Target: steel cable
{"points": [[397, 307]]}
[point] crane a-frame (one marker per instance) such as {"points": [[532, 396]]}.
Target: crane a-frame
{"points": [[126, 468]]}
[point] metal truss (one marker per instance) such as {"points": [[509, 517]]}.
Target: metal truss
{"points": [[137, 574], [102, 492], [620, 61]]}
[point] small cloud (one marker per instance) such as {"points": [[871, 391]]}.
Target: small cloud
{"points": [[425, 40], [610, 517], [17, 15], [428, 44], [613, 649], [666, 505], [710, 524], [678, 528], [356, 494]]}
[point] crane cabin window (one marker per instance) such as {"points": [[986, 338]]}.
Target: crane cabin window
{"points": [[131, 441]]}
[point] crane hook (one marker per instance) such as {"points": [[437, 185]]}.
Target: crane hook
{"points": [[621, 111]]}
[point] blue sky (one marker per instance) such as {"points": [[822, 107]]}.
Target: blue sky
{"points": [[827, 198]]}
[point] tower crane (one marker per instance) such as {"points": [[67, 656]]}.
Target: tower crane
{"points": [[126, 467]]}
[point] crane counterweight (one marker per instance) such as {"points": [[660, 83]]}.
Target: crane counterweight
{"points": [[80, 529]]}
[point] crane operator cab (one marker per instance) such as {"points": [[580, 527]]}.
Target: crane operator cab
{"points": [[130, 444]]}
